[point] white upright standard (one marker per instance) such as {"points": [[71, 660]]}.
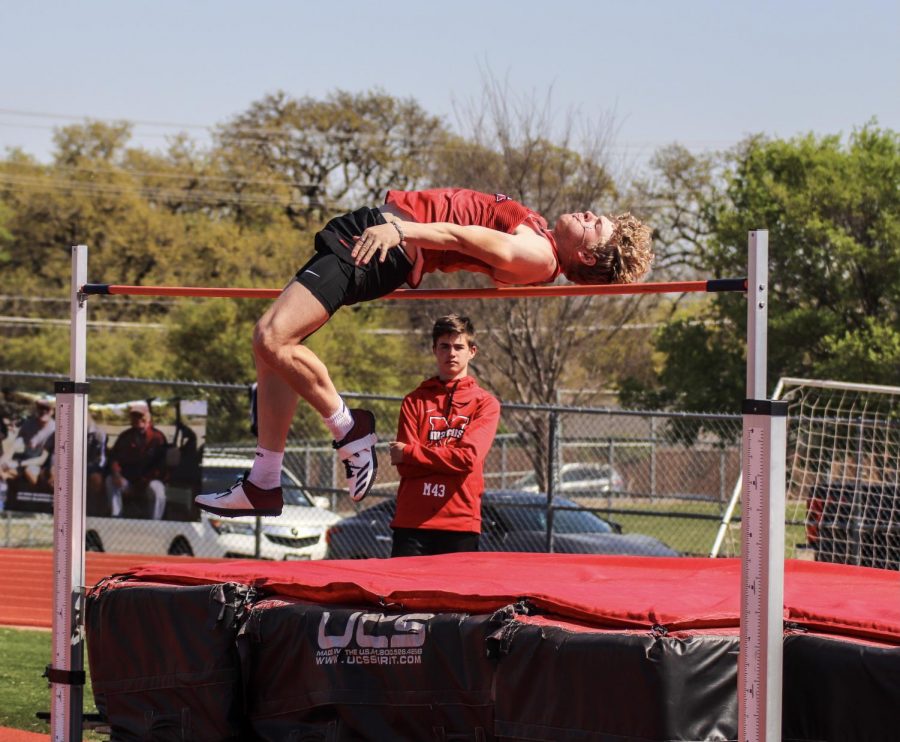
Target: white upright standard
{"points": [[66, 672], [762, 523]]}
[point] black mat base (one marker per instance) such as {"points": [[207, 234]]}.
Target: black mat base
{"points": [[220, 662]]}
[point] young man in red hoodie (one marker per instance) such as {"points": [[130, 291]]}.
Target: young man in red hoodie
{"points": [[446, 428]]}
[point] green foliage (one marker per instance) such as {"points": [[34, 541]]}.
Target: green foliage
{"points": [[362, 360], [45, 350], [211, 339], [132, 353], [5, 235], [871, 353], [832, 209]]}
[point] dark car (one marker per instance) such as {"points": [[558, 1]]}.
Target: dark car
{"points": [[511, 521], [853, 522]]}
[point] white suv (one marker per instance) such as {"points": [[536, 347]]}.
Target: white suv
{"points": [[298, 533]]}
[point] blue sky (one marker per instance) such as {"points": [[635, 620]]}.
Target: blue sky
{"points": [[702, 73]]}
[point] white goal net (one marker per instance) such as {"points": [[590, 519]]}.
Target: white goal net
{"points": [[843, 473]]}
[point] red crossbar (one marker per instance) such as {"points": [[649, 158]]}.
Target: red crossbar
{"points": [[512, 292]]}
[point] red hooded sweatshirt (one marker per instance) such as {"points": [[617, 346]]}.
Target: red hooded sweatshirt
{"points": [[448, 429]]}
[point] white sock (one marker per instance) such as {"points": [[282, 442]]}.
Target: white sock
{"points": [[266, 471], [340, 423]]}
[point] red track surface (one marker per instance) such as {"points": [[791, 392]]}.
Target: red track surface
{"points": [[8, 734], [26, 582]]}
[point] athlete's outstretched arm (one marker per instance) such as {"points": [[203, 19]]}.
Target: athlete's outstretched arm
{"points": [[523, 257]]}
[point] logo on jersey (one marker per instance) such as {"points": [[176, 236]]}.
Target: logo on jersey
{"points": [[442, 428], [499, 198]]}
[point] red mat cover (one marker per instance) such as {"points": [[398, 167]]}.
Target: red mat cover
{"points": [[618, 592]]}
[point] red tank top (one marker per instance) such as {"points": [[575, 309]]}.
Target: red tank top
{"points": [[465, 207]]}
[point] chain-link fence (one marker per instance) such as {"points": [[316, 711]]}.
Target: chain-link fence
{"points": [[564, 479]]}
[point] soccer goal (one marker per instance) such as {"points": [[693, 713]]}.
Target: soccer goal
{"points": [[842, 474]]}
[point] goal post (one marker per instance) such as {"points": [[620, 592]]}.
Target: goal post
{"points": [[842, 474]]}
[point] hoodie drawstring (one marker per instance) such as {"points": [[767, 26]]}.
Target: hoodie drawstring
{"points": [[450, 400]]}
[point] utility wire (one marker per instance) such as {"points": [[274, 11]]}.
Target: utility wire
{"points": [[170, 175], [198, 196], [44, 321], [256, 131], [106, 300]]}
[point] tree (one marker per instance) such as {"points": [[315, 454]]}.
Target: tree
{"points": [[307, 159], [5, 236], [529, 150], [679, 198], [832, 209], [183, 180]]}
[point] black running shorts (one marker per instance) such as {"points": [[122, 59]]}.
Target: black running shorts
{"points": [[331, 274], [430, 541]]}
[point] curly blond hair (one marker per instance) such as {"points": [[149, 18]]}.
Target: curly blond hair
{"points": [[624, 258]]}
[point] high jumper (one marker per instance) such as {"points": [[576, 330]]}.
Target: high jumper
{"points": [[368, 253]]}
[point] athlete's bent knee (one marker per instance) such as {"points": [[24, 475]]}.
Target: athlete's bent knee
{"points": [[266, 346]]}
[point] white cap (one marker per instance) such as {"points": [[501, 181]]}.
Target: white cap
{"points": [[141, 407]]}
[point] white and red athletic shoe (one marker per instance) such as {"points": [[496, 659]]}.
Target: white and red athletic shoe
{"points": [[357, 451], [242, 498]]}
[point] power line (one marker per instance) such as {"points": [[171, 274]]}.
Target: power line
{"points": [[254, 131], [43, 321], [234, 130], [75, 117], [197, 196], [131, 300], [170, 175]]}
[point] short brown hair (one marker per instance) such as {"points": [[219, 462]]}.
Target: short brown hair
{"points": [[453, 324], [624, 258]]}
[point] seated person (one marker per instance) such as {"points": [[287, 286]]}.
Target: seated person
{"points": [[95, 460], [137, 463], [32, 446]]}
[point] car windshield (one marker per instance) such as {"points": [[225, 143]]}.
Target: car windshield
{"points": [[579, 521], [294, 495], [526, 518]]}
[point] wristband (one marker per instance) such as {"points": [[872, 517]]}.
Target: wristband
{"points": [[396, 224]]}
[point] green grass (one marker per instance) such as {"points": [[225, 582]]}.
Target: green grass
{"points": [[689, 527], [24, 653]]}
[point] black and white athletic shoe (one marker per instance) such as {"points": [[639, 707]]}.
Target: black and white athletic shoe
{"points": [[357, 451], [242, 498]]}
